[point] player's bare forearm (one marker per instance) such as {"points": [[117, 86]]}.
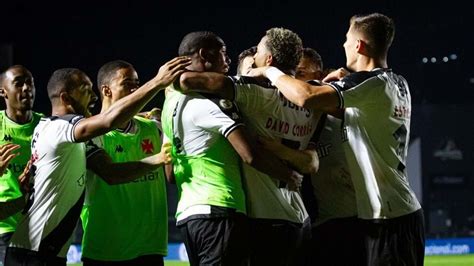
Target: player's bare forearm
{"points": [[303, 161], [124, 172], [207, 82]]}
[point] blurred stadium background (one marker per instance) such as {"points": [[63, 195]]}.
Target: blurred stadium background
{"points": [[432, 49]]}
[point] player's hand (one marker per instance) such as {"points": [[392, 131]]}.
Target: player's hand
{"points": [[257, 72], [337, 74], [154, 114], [165, 153], [295, 182], [171, 70], [7, 153], [24, 178]]}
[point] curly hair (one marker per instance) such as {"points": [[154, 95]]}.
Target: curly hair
{"points": [[285, 46]]}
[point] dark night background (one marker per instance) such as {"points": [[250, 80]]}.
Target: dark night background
{"points": [[45, 36]]}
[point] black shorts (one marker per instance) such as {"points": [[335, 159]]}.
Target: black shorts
{"points": [[277, 242], [20, 256], [216, 240], [146, 260], [396, 241], [335, 242]]}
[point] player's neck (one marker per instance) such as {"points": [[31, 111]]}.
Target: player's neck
{"points": [[369, 64], [105, 106], [19, 116]]}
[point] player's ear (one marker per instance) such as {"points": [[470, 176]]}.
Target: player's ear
{"points": [[269, 59], [2, 93], [203, 54], [65, 98], [206, 58], [105, 91], [361, 47]]}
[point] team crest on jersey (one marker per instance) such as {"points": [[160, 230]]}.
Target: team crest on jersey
{"points": [[147, 146], [225, 104]]}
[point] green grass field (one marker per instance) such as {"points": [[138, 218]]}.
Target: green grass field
{"points": [[461, 260]]}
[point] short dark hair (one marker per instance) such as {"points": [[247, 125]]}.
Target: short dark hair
{"points": [[194, 41], [108, 70], [314, 56], [245, 53], [63, 79], [286, 48], [3, 74], [378, 29]]}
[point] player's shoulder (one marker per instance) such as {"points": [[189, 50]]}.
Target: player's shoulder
{"points": [[252, 81], [69, 118]]}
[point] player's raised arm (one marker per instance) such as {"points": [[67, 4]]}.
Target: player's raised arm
{"points": [[125, 108], [323, 97]]}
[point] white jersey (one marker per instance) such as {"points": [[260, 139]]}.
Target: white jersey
{"points": [[268, 113], [332, 184], [59, 165], [377, 121]]}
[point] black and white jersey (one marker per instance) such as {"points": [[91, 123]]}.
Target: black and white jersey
{"points": [[268, 113], [377, 123], [59, 165], [332, 183]]}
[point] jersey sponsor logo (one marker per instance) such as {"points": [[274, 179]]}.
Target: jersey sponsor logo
{"points": [[284, 127], [118, 148], [7, 138], [291, 105], [323, 149], [151, 176], [401, 112], [147, 146]]}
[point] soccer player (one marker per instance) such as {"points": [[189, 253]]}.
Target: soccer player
{"points": [[310, 66], [376, 107], [208, 139], [245, 60], [17, 123], [279, 220], [141, 235], [59, 161]]}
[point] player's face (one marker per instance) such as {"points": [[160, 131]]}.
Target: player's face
{"points": [[350, 48], [262, 54], [220, 61], [246, 64], [125, 82], [82, 97], [308, 70], [18, 89]]}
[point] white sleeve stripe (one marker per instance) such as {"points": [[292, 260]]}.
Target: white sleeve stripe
{"points": [[339, 94], [73, 138], [231, 128], [234, 81]]}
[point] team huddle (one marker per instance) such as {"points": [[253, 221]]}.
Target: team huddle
{"points": [[282, 164]]}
